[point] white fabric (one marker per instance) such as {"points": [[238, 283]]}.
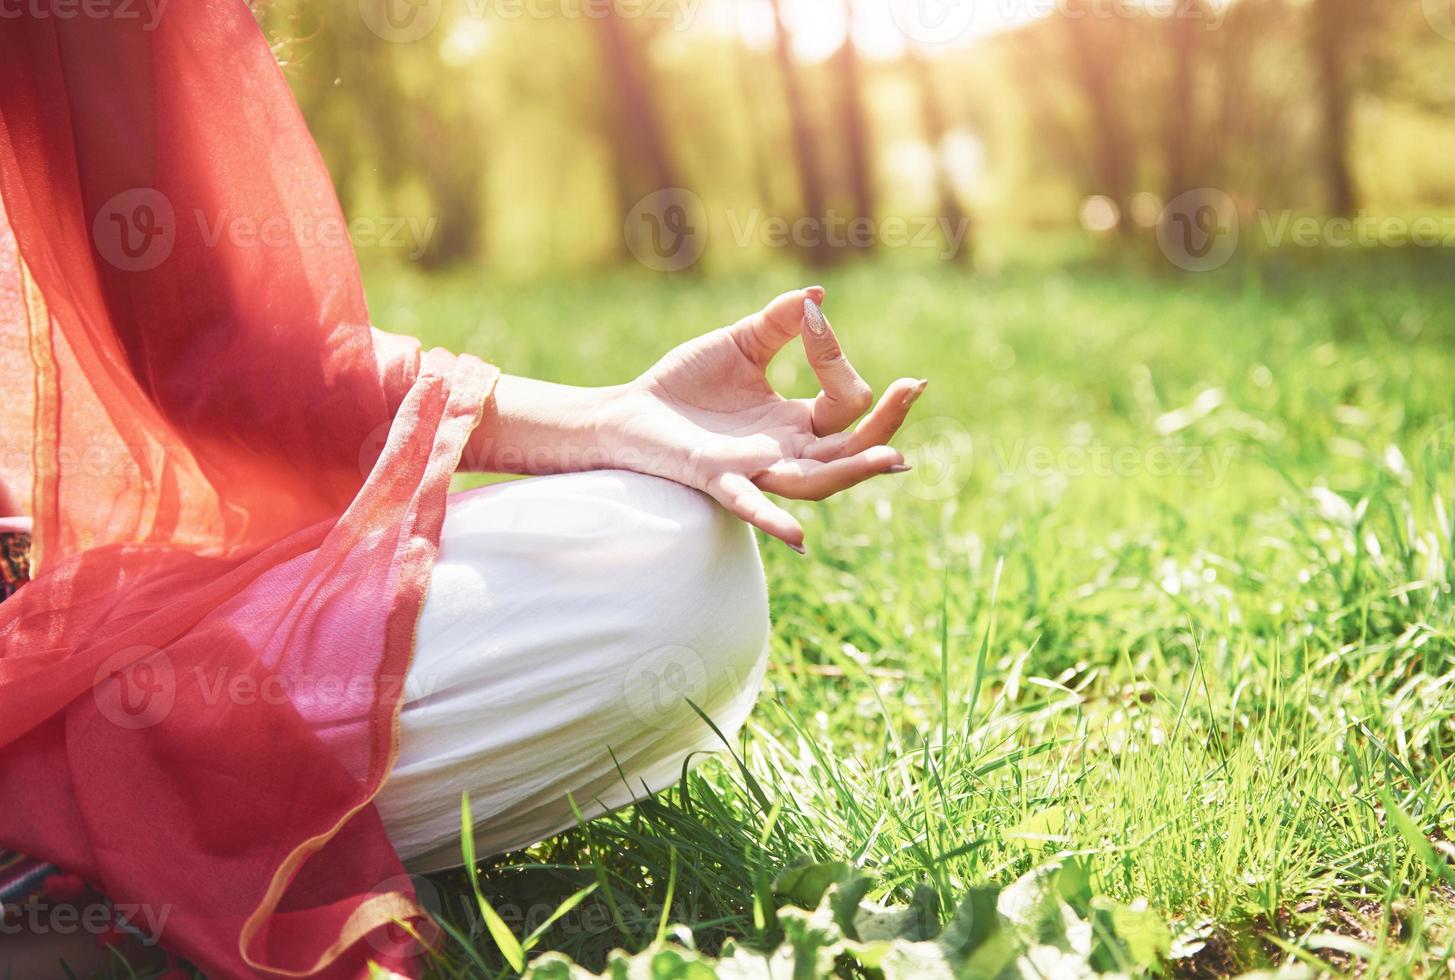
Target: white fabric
{"points": [[569, 620]]}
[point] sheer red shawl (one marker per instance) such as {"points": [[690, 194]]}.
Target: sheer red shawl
{"points": [[237, 487]]}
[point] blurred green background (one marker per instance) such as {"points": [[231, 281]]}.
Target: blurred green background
{"points": [[533, 137]]}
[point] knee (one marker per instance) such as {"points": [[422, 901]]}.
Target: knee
{"points": [[662, 585], [705, 561], [704, 626]]}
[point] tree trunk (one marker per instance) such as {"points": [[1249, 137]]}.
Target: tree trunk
{"points": [[854, 128], [1180, 121], [759, 147], [810, 173], [454, 181], [1333, 33], [642, 160]]}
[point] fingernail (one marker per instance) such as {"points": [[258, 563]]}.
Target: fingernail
{"points": [[914, 393], [901, 468], [814, 316], [798, 548]]}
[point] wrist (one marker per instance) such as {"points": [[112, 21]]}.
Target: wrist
{"points": [[535, 428], [616, 430], [605, 427]]}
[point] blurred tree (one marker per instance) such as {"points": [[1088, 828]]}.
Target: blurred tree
{"points": [[381, 111], [643, 163], [810, 172], [1181, 121], [454, 181], [346, 89], [1345, 101], [757, 130], [1095, 57], [1411, 63], [1334, 25], [854, 130], [934, 118], [1265, 141]]}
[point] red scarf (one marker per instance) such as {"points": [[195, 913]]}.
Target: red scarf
{"points": [[237, 489]]}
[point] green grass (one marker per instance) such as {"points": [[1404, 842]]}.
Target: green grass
{"points": [[1168, 594]]}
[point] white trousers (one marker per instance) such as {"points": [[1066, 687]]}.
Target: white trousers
{"points": [[569, 621]]}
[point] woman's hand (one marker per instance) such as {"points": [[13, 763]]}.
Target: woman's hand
{"points": [[706, 416]]}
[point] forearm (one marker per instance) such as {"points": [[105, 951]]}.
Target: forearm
{"points": [[535, 428]]}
